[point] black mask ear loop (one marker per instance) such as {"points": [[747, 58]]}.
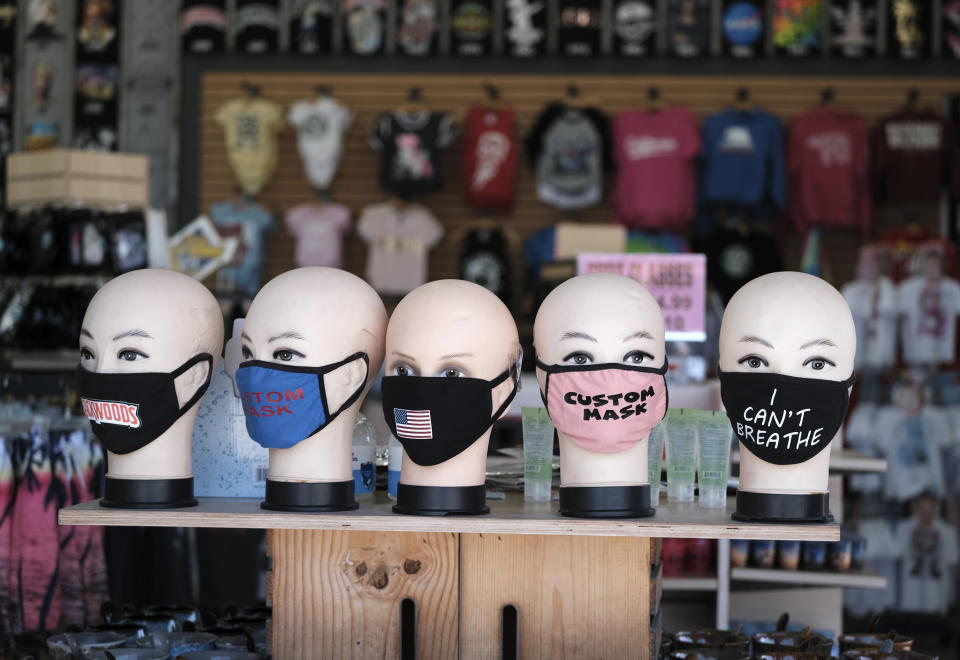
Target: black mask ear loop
{"points": [[182, 369], [506, 404], [356, 394]]}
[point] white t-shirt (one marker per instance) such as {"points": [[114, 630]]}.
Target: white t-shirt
{"points": [[874, 308], [928, 556], [861, 434], [319, 231], [320, 125], [930, 313], [913, 446], [881, 557]]}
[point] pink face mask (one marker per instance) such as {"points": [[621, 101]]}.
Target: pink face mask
{"points": [[606, 408]]}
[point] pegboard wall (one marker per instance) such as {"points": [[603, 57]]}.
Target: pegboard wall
{"points": [[368, 94]]}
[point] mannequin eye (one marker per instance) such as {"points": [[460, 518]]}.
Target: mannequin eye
{"points": [[246, 353], [754, 362], [578, 358], [131, 355], [404, 370], [818, 363], [86, 354], [636, 357], [286, 355], [452, 373]]}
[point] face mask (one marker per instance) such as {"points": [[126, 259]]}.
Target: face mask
{"points": [[437, 418], [129, 411], [287, 404], [784, 420], [606, 408]]}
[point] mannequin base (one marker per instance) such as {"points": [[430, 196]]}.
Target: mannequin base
{"points": [[148, 493], [782, 507], [441, 500], [606, 501], [309, 496]]}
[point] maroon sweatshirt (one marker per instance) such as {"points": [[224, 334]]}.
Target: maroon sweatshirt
{"points": [[915, 156]]}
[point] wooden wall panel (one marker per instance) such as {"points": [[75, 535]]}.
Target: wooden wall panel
{"points": [[370, 94]]}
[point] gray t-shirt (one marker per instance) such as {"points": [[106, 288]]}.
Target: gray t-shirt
{"points": [[570, 170]]}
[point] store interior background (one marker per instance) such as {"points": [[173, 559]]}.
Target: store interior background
{"points": [[165, 104]]}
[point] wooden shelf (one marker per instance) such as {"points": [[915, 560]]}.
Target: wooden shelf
{"points": [[66, 359], [705, 583], [862, 579], [510, 516], [845, 460]]}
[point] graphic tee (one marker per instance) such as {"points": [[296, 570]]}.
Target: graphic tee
{"points": [[409, 146], [483, 261], [579, 23], [418, 28], [250, 127], [915, 153], [853, 27], [569, 149], [257, 26], [203, 26], [928, 555], [735, 257], [364, 26], [930, 310], [399, 238], [874, 308], [634, 27], [908, 28], [97, 31], [525, 27], [688, 27], [742, 28], [249, 223], [320, 125], [797, 25], [319, 230], [471, 27], [913, 445], [311, 26], [490, 159], [951, 28]]}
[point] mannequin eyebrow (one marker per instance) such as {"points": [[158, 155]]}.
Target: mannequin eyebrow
{"points": [[455, 355], [405, 356], [289, 334], [642, 334], [578, 335], [133, 333], [86, 333], [823, 341], [756, 340]]}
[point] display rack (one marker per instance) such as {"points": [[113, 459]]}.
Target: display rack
{"points": [[863, 579], [347, 585]]}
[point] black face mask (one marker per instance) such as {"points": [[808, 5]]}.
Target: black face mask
{"points": [[129, 411], [437, 418], [784, 420]]}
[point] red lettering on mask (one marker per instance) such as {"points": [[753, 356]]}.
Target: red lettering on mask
{"points": [[112, 412]]}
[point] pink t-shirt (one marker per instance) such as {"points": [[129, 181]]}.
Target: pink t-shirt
{"points": [[319, 231], [399, 239]]}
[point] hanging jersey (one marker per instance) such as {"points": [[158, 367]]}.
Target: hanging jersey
{"points": [[319, 231], [410, 146], [399, 240], [250, 127], [249, 223], [320, 125], [490, 159], [930, 311], [874, 308], [483, 261], [915, 154]]}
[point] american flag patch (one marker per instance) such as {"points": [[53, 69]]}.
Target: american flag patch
{"points": [[413, 424]]}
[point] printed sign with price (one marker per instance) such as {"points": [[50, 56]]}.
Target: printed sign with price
{"points": [[677, 281]]}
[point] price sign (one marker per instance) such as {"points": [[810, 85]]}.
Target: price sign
{"points": [[677, 281]]}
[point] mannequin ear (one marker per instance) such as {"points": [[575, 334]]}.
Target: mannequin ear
{"points": [[190, 381], [341, 383]]}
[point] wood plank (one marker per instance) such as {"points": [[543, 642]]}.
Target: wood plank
{"points": [[338, 594], [576, 597], [509, 516]]}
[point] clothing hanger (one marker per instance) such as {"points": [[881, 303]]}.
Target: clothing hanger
{"points": [[253, 91], [742, 100], [913, 98], [323, 91], [654, 101], [574, 99], [827, 95], [414, 103], [493, 95]]}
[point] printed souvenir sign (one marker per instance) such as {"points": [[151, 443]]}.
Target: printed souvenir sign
{"points": [[742, 28], [198, 250], [677, 281]]}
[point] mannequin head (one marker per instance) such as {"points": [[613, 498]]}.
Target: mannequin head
{"points": [[797, 325], [931, 263], [599, 318], [154, 320], [450, 329], [312, 317]]}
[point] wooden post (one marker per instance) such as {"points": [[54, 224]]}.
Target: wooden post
{"points": [[338, 594], [576, 596]]}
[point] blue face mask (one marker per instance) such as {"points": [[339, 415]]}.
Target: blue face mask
{"points": [[286, 404]]}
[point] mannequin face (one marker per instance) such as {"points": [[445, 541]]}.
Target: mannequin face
{"points": [[152, 320], [788, 323], [599, 318], [290, 322]]}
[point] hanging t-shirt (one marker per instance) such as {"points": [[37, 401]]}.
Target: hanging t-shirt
{"points": [[490, 159], [909, 28], [634, 26], [913, 446], [742, 28], [399, 238], [655, 155], [249, 223], [688, 27], [97, 31], [364, 26], [320, 125], [525, 28], [409, 146], [471, 27], [257, 26], [797, 26], [929, 555], [483, 260], [930, 310], [579, 23], [874, 308], [915, 154], [319, 231], [311, 26], [250, 127], [735, 257], [418, 27], [203, 26], [569, 149], [853, 27], [128, 241], [951, 28]]}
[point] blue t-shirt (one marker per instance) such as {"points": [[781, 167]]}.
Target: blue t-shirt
{"points": [[249, 223]]}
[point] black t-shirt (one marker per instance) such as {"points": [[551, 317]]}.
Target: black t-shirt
{"points": [[471, 27], [203, 25], [8, 26], [311, 26], [418, 27], [525, 28], [734, 258], [364, 26], [853, 27], [257, 25], [483, 261], [951, 28], [579, 23], [742, 28], [409, 146], [634, 27], [908, 28], [688, 27], [97, 32]]}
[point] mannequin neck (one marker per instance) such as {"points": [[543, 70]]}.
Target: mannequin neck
{"points": [[582, 467], [324, 456], [170, 456], [468, 468]]}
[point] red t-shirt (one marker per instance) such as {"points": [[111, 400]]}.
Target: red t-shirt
{"points": [[490, 159], [655, 155], [829, 183], [915, 155]]}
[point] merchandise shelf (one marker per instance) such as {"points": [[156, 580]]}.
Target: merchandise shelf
{"points": [[863, 579], [845, 461], [701, 583]]}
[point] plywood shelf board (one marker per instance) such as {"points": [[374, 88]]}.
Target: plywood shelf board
{"points": [[690, 584], [845, 460], [862, 579], [507, 517]]}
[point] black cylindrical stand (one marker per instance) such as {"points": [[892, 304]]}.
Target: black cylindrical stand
{"points": [[606, 501], [310, 496], [441, 500], [782, 507], [148, 493]]}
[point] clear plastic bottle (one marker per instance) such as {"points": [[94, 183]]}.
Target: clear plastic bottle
{"points": [[364, 449], [393, 467]]}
